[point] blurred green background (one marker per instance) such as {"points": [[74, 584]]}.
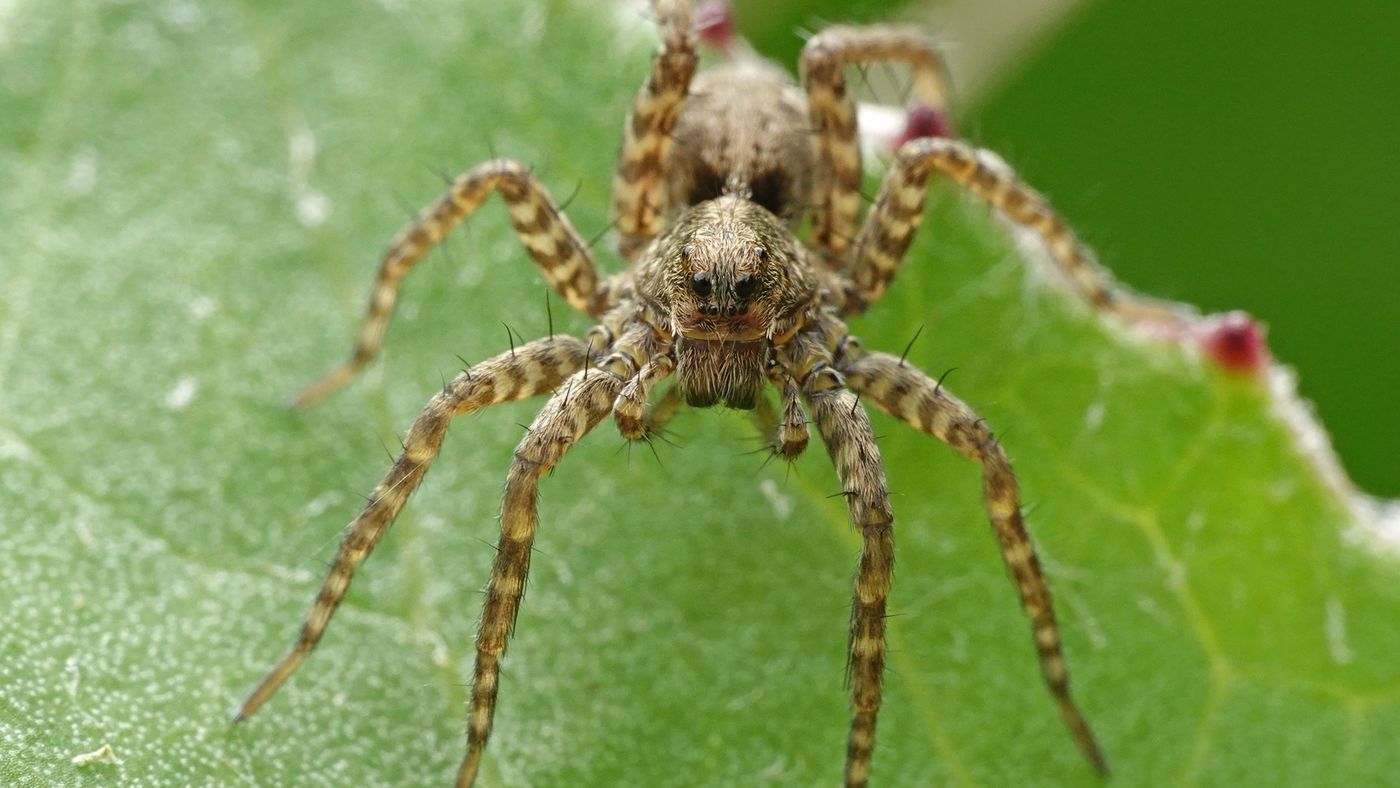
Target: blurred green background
{"points": [[1235, 156]]}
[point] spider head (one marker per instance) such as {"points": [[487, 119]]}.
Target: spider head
{"points": [[728, 270], [727, 279]]}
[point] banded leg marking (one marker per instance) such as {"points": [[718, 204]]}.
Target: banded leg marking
{"points": [[833, 114], [575, 409], [529, 370], [639, 186], [908, 394], [899, 208], [850, 442], [542, 227]]}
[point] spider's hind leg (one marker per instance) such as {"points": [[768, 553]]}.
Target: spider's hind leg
{"points": [[908, 394], [639, 185], [833, 114]]}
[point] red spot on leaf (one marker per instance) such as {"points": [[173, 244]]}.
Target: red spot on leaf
{"points": [[1234, 341]]}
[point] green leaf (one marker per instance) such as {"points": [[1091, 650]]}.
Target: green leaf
{"points": [[195, 193]]}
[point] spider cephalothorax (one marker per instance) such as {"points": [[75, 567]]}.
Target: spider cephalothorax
{"points": [[726, 281], [721, 294], [738, 136]]}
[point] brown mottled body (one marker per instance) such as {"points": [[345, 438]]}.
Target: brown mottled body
{"points": [[744, 132], [714, 174]]}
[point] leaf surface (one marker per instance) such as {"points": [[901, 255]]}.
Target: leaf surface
{"points": [[196, 193]]}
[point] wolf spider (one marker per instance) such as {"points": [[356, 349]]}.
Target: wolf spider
{"points": [[716, 171]]}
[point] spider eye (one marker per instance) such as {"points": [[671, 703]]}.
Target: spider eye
{"points": [[700, 283], [688, 251], [761, 253], [745, 286]]}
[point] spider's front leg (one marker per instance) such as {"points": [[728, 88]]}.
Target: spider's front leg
{"points": [[908, 394], [523, 372], [542, 227], [639, 186], [899, 208], [850, 442], [833, 114], [575, 409]]}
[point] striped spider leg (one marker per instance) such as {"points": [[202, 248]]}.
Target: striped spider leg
{"points": [[716, 171], [866, 263], [640, 184], [833, 114], [526, 371], [542, 227], [910, 395], [533, 369]]}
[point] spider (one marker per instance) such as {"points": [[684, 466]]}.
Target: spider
{"points": [[716, 172]]}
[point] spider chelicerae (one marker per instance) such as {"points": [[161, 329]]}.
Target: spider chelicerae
{"points": [[716, 171]]}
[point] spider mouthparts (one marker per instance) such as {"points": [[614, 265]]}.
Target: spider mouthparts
{"points": [[744, 326], [712, 372]]}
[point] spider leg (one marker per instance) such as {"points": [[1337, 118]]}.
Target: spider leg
{"points": [[785, 434], [908, 394], [542, 227], [765, 419], [792, 431], [660, 412], [850, 442], [632, 411], [639, 186], [833, 114], [529, 370], [576, 407], [899, 208]]}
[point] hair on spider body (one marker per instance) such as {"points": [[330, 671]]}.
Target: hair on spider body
{"points": [[714, 174], [724, 282], [743, 132]]}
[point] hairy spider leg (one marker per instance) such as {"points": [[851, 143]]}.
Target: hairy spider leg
{"points": [[908, 394], [850, 442], [575, 409], [899, 208], [785, 433], [639, 186], [543, 230], [633, 411], [531, 369], [660, 412], [833, 113], [845, 429]]}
